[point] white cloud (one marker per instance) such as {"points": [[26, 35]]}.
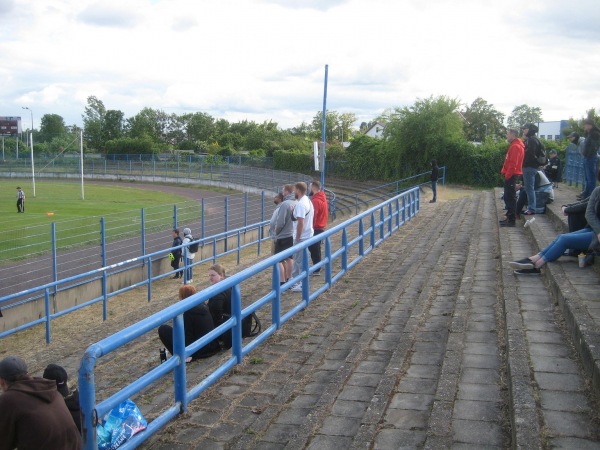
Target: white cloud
{"points": [[264, 59]]}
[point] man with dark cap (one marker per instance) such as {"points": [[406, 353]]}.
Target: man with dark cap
{"points": [[533, 148], [33, 415], [59, 375], [590, 155]]}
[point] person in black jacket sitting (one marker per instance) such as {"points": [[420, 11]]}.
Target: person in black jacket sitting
{"points": [[197, 322], [553, 169]]}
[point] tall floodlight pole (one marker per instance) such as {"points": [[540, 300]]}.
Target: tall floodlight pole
{"points": [[323, 136], [31, 146]]}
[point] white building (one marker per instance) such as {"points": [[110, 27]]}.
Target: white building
{"points": [[376, 130], [552, 131]]}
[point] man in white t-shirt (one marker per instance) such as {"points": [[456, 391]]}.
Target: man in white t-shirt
{"points": [[303, 227]]}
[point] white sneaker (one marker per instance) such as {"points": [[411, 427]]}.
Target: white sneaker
{"points": [[297, 287]]}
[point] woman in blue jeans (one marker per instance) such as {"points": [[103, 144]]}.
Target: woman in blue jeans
{"points": [[578, 240]]}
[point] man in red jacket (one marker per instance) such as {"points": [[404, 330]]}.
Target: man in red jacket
{"points": [[320, 218], [511, 170]]}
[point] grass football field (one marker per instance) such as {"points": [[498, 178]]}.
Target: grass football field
{"points": [[61, 203]]}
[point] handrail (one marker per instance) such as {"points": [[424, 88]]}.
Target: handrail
{"points": [[141, 260], [382, 220]]}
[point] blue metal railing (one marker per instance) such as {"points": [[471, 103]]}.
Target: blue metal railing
{"points": [[373, 226], [573, 172], [385, 191], [106, 271]]}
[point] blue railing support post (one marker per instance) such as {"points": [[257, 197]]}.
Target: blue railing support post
{"points": [[87, 398], [175, 216], [143, 234], [104, 275], [47, 309], [54, 261], [202, 213], [179, 374], [226, 220], [276, 303], [236, 332], [149, 279]]}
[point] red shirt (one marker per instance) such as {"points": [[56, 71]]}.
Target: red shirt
{"points": [[321, 216], [514, 159]]}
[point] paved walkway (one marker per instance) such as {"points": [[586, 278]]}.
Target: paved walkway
{"points": [[430, 342]]}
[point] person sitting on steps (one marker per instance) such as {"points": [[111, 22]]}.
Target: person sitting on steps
{"points": [[197, 322], [580, 240]]}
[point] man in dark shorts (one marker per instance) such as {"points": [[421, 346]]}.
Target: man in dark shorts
{"points": [[284, 230]]}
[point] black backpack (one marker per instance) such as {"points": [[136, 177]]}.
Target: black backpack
{"points": [[193, 247], [540, 154], [251, 327]]}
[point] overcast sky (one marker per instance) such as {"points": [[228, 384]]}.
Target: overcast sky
{"points": [[265, 59]]}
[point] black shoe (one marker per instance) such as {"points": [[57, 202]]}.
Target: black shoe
{"points": [[508, 224], [174, 277], [533, 271], [431, 201], [524, 263]]}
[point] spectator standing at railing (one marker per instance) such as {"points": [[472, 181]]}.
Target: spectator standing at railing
{"points": [[435, 174], [590, 155], [284, 229], [176, 254], [33, 414], [321, 217], [189, 256], [303, 228]]}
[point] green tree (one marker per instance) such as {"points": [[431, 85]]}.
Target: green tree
{"points": [[417, 134], [51, 126], [93, 122], [150, 123], [332, 121], [576, 125], [112, 126], [483, 120], [523, 114]]}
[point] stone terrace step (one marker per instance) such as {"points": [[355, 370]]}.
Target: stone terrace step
{"points": [[406, 352], [552, 405]]}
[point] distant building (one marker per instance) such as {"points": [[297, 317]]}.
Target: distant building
{"points": [[376, 130], [552, 131]]}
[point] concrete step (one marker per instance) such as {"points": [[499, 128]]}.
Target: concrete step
{"points": [[552, 402], [361, 365]]}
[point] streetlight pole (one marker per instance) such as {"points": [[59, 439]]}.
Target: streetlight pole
{"points": [[31, 146]]}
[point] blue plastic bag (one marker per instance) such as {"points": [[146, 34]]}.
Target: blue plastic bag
{"points": [[119, 425]]}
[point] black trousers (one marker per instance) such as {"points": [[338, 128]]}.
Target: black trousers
{"points": [[20, 205], [315, 251], [510, 198]]}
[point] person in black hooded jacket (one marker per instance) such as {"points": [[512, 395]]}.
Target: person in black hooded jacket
{"points": [[59, 375], [533, 147]]}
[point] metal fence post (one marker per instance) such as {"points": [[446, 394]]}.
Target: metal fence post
{"points": [[245, 209], [54, 262], [47, 310], [174, 216], [226, 219], [104, 280], [202, 217], [143, 224], [236, 332], [179, 372]]}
